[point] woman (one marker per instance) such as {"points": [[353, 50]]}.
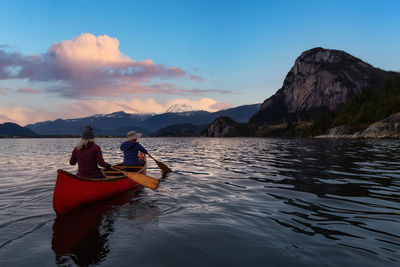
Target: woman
{"points": [[131, 150], [88, 155]]}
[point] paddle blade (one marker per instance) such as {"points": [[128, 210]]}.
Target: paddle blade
{"points": [[163, 167], [142, 179]]}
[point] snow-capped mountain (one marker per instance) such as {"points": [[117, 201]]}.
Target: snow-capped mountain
{"points": [[177, 108], [121, 114], [119, 123]]}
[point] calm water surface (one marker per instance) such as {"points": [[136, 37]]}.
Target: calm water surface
{"points": [[229, 202]]}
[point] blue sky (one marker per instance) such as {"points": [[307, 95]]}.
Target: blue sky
{"points": [[209, 54]]}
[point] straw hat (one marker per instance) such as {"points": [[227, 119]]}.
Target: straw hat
{"points": [[132, 135]]}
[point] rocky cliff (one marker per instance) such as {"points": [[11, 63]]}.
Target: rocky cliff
{"points": [[320, 79], [222, 127], [386, 128]]}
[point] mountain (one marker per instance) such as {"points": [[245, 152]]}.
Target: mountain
{"points": [[119, 123], [240, 114], [321, 79], [179, 108], [369, 107], [115, 123], [222, 127], [326, 93], [13, 129]]}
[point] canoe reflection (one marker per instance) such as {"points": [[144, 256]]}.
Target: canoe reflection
{"points": [[82, 235]]}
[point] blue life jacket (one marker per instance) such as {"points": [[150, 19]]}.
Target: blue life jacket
{"points": [[131, 151]]}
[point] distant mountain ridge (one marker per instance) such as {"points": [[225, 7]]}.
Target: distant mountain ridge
{"points": [[13, 129], [118, 123]]}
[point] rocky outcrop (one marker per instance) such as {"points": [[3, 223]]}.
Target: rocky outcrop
{"points": [[320, 79], [222, 127], [386, 128], [342, 131]]}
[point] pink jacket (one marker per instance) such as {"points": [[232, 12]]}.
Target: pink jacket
{"points": [[88, 158]]}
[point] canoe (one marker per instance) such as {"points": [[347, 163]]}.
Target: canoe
{"points": [[72, 191]]}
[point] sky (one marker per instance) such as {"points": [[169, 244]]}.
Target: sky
{"points": [[72, 59]]}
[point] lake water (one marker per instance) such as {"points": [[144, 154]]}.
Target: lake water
{"points": [[229, 202]]}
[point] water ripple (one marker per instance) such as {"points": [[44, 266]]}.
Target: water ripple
{"points": [[277, 201]]}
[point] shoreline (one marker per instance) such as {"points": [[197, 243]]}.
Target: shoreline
{"points": [[350, 137]]}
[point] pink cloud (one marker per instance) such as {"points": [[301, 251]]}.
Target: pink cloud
{"points": [[88, 66], [4, 90], [136, 88], [89, 49], [195, 78], [220, 106], [23, 116], [28, 90], [4, 118], [149, 105]]}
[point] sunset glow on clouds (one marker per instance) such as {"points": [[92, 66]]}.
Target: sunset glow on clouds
{"points": [[93, 71], [148, 105], [22, 115], [88, 67], [28, 90], [4, 90]]}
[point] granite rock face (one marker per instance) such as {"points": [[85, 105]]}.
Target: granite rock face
{"points": [[320, 78], [339, 131], [387, 128], [221, 127]]}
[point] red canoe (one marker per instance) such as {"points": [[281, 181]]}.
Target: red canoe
{"points": [[72, 192]]}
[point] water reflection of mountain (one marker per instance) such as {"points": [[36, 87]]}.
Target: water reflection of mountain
{"points": [[83, 235]]}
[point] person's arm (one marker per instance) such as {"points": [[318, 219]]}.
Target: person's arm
{"points": [[142, 149], [100, 159], [73, 160]]}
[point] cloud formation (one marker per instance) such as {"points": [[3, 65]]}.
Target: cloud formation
{"points": [[88, 66], [23, 116], [28, 91], [149, 105], [4, 90]]}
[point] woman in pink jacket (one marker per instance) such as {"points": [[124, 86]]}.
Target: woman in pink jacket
{"points": [[88, 155]]}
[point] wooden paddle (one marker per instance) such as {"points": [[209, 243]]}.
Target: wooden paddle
{"points": [[161, 165], [140, 178]]}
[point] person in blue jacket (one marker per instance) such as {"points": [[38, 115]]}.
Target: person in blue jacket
{"points": [[131, 148]]}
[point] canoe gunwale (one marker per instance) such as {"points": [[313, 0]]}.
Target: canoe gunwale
{"points": [[110, 178], [91, 179]]}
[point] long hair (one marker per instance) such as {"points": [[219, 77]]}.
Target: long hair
{"points": [[83, 143]]}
